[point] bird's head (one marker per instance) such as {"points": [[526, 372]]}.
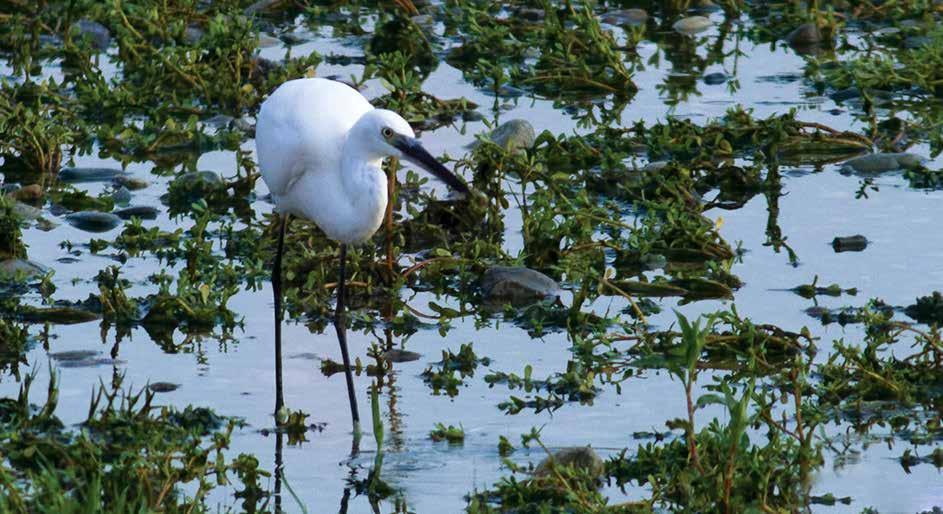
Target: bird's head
{"points": [[382, 133]]}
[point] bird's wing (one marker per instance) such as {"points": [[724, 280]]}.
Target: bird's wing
{"points": [[302, 127]]}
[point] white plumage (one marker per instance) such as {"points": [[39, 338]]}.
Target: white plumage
{"points": [[320, 148]]}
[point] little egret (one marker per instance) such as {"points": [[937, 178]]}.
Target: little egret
{"points": [[321, 147]]}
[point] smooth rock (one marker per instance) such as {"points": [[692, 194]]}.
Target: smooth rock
{"points": [[121, 196], [74, 355], [27, 212], [143, 212], [74, 175], [514, 135], [914, 42], [93, 221], [396, 355], [654, 166], [582, 457], [882, 162], [806, 34], [531, 14], [131, 183], [854, 243], [10, 268], [266, 41], [626, 17], [843, 95], [209, 177], [692, 25], [714, 79], [517, 284], [28, 193], [59, 315], [163, 387], [95, 32], [193, 34]]}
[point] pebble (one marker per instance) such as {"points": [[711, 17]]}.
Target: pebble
{"points": [[29, 193], [131, 183], [396, 355], [692, 25], [854, 243], [583, 458], [882, 162], [517, 284], [716, 78], [626, 17], [806, 34], [121, 196], [95, 32], [514, 135], [74, 175], [23, 267], [93, 221], [163, 387], [139, 211]]}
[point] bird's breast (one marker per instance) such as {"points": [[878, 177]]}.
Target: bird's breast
{"points": [[349, 209]]}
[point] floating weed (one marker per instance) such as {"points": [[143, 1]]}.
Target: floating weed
{"points": [[576, 384], [464, 362], [454, 435], [812, 290]]}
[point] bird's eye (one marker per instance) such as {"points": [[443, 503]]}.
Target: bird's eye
{"points": [[387, 132]]}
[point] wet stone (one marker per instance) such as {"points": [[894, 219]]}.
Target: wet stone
{"points": [[692, 25], [854, 243], [193, 34], [583, 458], [93, 221], [21, 267], [714, 79], [654, 166], [626, 17], [74, 355], [806, 34], [74, 175], [514, 135], [914, 42], [472, 116], [121, 196], [517, 284], [139, 211], [530, 14], [845, 94], [163, 387], [95, 32], [396, 355], [882, 162], [28, 193], [131, 183]]}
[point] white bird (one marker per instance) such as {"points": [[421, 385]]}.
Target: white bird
{"points": [[320, 148]]}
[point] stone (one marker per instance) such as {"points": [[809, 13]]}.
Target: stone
{"points": [[517, 284], [121, 196], [626, 17], [73, 175], [807, 34], [692, 25], [856, 243], [882, 162], [58, 315], [28, 193], [396, 355], [95, 32], [193, 34], [163, 387], [93, 221], [131, 183], [514, 135], [11, 268], [27, 212], [74, 355], [583, 458], [139, 211], [714, 79], [654, 166]]}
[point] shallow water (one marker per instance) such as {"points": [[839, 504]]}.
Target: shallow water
{"points": [[235, 377]]}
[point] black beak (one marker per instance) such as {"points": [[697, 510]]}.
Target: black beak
{"points": [[414, 151]]}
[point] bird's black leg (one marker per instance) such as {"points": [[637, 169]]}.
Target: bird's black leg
{"points": [[277, 291], [340, 324]]}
